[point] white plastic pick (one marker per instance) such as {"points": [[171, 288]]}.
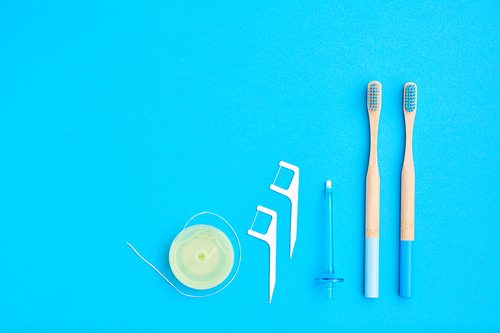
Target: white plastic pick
{"points": [[293, 194], [270, 238]]}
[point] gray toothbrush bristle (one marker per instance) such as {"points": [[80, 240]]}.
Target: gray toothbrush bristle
{"points": [[374, 96]]}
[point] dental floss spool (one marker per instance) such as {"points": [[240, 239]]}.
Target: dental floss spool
{"points": [[210, 232], [201, 257]]}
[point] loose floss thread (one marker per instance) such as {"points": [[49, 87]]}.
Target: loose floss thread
{"points": [[212, 235]]}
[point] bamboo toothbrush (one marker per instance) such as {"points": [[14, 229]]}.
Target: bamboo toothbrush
{"points": [[374, 104], [407, 193]]}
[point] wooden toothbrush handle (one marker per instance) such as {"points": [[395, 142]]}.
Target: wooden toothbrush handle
{"points": [[408, 203], [372, 202], [372, 209], [408, 184]]}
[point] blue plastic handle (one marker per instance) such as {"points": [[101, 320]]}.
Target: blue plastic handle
{"points": [[405, 268]]}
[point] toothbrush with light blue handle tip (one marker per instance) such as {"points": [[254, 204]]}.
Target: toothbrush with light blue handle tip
{"points": [[407, 194], [372, 210]]}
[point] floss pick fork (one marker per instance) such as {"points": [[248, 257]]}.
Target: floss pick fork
{"points": [[374, 104], [407, 193]]}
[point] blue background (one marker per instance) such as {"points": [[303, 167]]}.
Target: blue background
{"points": [[120, 121]]}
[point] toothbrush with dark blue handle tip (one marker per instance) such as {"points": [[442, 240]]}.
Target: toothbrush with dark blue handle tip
{"points": [[407, 194]]}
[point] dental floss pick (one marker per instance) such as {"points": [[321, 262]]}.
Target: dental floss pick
{"points": [[291, 193], [270, 238], [189, 295]]}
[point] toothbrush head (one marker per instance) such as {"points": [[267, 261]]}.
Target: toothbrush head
{"points": [[374, 97], [410, 97]]}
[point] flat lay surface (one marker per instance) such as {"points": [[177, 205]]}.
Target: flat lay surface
{"points": [[120, 121]]}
